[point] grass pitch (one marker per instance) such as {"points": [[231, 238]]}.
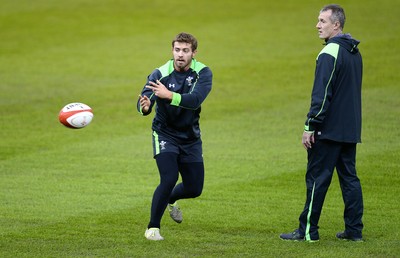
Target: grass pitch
{"points": [[87, 193]]}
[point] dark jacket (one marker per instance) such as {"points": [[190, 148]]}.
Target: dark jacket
{"points": [[179, 118], [335, 111]]}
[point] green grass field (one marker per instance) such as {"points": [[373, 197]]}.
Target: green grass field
{"points": [[87, 193]]}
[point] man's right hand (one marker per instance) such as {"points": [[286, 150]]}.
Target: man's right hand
{"points": [[144, 103], [308, 139]]}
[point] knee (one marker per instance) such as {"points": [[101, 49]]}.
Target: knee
{"points": [[168, 184], [195, 192]]}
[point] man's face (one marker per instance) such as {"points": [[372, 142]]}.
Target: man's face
{"points": [[327, 29], [183, 55]]}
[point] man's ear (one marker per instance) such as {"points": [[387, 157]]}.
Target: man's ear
{"points": [[337, 25]]}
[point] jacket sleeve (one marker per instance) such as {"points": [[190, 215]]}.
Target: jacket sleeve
{"points": [[200, 89], [322, 91], [155, 75]]}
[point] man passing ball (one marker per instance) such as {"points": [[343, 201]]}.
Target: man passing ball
{"points": [[178, 87]]}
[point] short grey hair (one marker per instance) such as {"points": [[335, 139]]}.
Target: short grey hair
{"points": [[337, 13]]}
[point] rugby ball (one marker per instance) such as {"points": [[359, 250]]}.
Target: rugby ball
{"points": [[76, 115]]}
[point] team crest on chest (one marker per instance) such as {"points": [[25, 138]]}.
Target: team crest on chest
{"points": [[189, 79]]}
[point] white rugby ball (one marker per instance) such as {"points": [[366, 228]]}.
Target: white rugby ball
{"points": [[76, 115]]}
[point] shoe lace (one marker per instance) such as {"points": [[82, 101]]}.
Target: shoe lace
{"points": [[153, 232]]}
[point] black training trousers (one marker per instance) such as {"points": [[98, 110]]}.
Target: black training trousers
{"points": [[323, 158], [167, 191]]}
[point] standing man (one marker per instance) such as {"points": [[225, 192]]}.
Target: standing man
{"points": [[333, 129], [178, 87]]}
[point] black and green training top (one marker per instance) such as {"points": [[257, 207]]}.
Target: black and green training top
{"points": [[335, 111], [179, 118]]}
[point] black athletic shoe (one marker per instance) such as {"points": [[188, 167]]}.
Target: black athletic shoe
{"points": [[295, 236], [344, 236]]}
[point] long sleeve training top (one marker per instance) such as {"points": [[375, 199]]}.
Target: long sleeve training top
{"points": [[335, 111], [179, 118]]}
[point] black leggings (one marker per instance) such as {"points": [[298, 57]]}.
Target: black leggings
{"points": [[167, 191]]}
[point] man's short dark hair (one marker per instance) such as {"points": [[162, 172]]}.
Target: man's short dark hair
{"points": [[186, 38]]}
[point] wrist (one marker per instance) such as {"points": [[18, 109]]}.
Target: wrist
{"points": [[170, 95], [175, 99], [309, 128]]}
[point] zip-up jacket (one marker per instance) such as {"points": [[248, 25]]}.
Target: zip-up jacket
{"points": [[179, 118], [335, 111]]}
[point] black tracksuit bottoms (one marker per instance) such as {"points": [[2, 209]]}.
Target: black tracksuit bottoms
{"points": [[323, 158]]}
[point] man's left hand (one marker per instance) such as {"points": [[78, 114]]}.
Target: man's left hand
{"points": [[160, 90]]}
